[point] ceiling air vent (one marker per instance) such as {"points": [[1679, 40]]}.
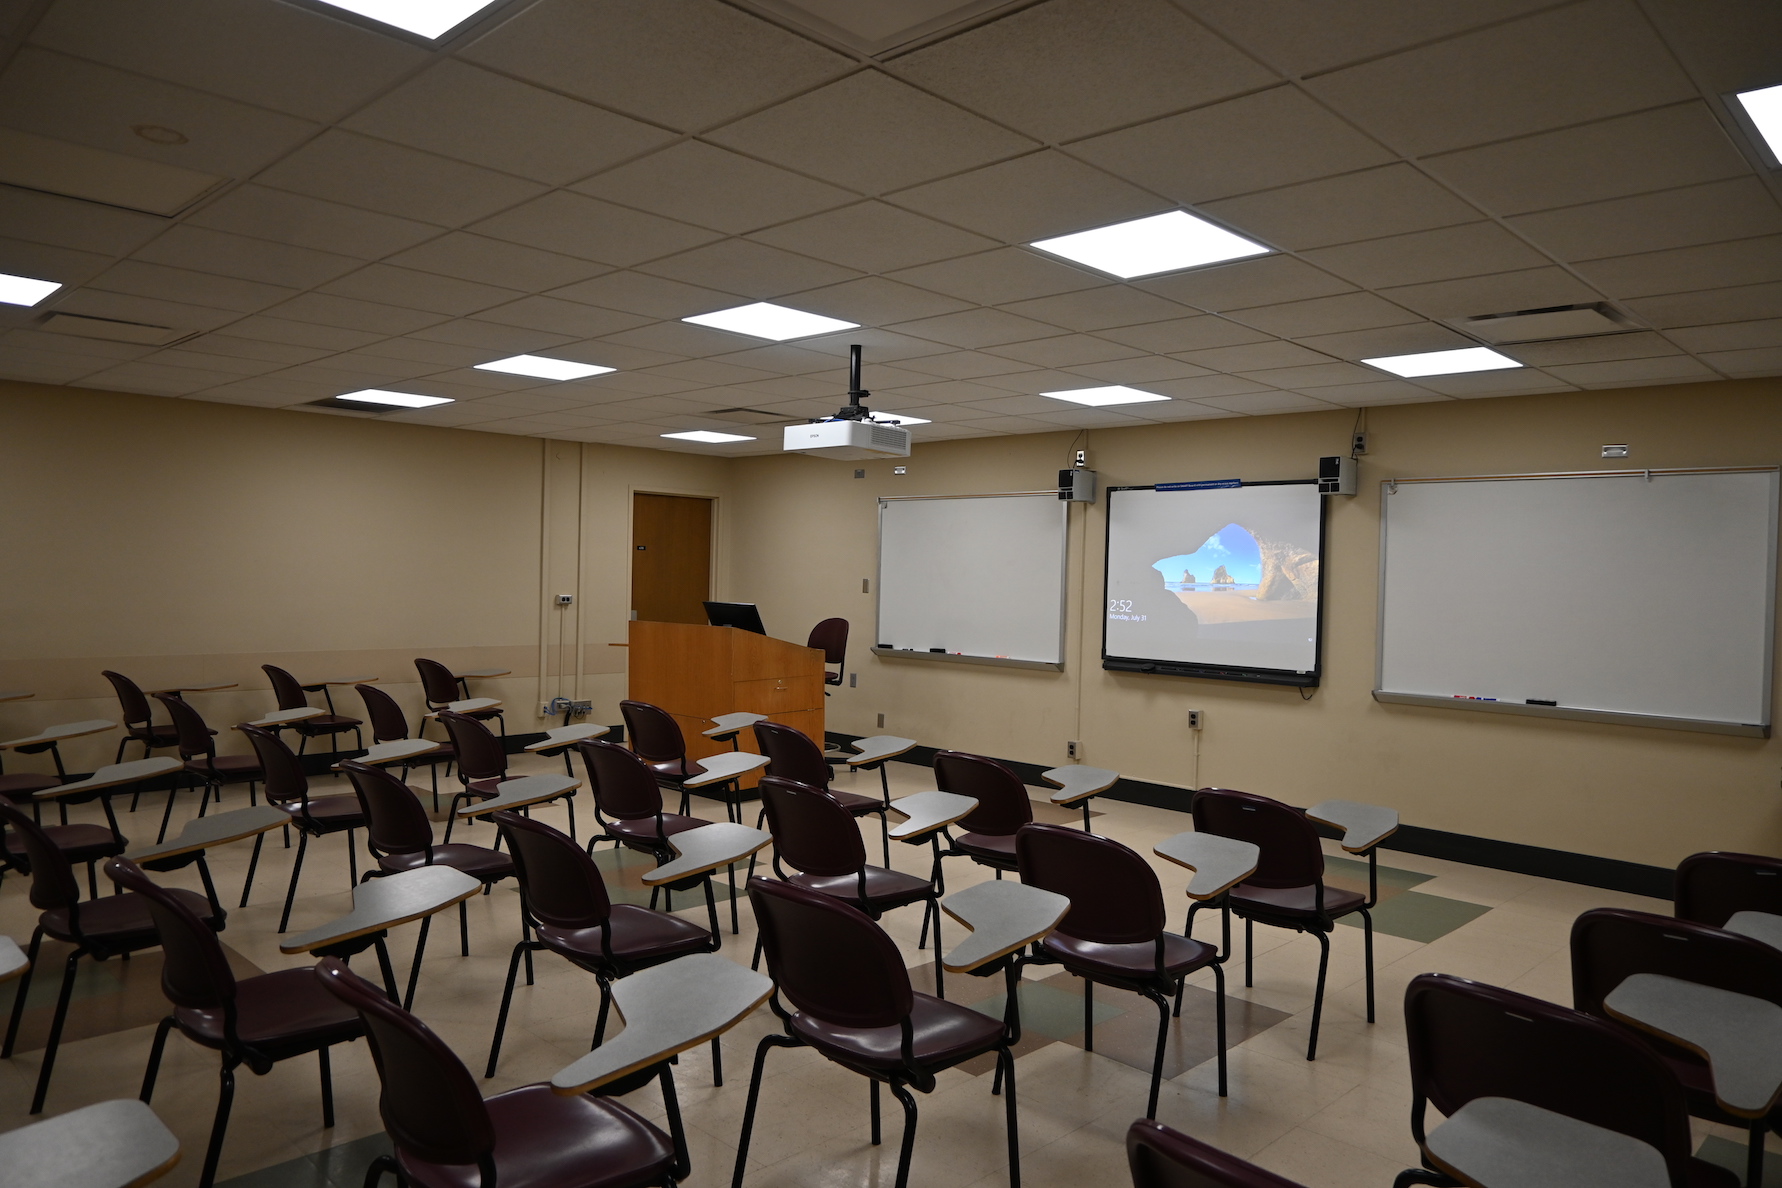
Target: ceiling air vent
{"points": [[342, 404], [1542, 325], [113, 329], [752, 416]]}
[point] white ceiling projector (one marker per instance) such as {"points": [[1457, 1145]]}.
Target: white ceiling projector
{"points": [[851, 434]]}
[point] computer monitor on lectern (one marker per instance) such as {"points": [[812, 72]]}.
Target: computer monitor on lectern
{"points": [[742, 615]]}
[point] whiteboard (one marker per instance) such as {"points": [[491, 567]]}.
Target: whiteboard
{"points": [[980, 576], [1617, 595]]}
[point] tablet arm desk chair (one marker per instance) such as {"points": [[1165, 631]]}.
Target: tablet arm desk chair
{"points": [[138, 719], [792, 755], [628, 802], [657, 739], [1714, 886], [287, 789], [1003, 807], [441, 688], [198, 750], [390, 724], [831, 635], [482, 766], [78, 843], [291, 695], [1160, 1157]]}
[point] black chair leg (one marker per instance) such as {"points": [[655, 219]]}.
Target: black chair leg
{"points": [[1014, 1126], [908, 1146], [748, 1126], [1318, 994], [414, 971], [55, 1035], [327, 1088], [19, 996], [606, 1003], [247, 884], [296, 872], [352, 861], [1422, 1175], [940, 985], [1754, 1154], [1219, 1022], [154, 1061], [378, 1168], [717, 1063], [1249, 952], [463, 928], [1088, 1015], [167, 813], [225, 1099], [507, 997], [1367, 941], [1157, 1060]]}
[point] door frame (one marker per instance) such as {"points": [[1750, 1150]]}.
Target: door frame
{"points": [[716, 586]]}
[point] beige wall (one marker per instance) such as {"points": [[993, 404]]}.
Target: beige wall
{"points": [[804, 537]]}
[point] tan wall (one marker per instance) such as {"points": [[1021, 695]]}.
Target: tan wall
{"points": [[180, 540], [804, 536]]}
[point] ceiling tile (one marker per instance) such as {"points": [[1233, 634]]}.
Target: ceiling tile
{"points": [[592, 229], [155, 312], [1032, 197], [1755, 361], [1616, 373], [261, 328], [441, 354], [1140, 370], [247, 348], [68, 99], [1494, 383], [1474, 249], [1673, 146], [1504, 292], [357, 170], [1736, 209], [966, 365], [1254, 357], [153, 378], [1274, 138], [1742, 304], [471, 115], [1571, 64], [1068, 350], [753, 269], [684, 63], [1096, 418], [276, 55], [875, 301], [1099, 309], [1308, 36], [1325, 315], [882, 346], [1412, 339], [1259, 403], [781, 359], [1074, 67], [871, 133], [1383, 391], [1032, 383], [1590, 350], [1730, 336], [1317, 376], [496, 262], [1186, 410], [310, 222], [684, 339], [1390, 200], [509, 340], [1265, 281], [1682, 270], [95, 348], [383, 365], [1206, 386], [46, 367], [873, 237], [713, 187], [142, 279], [1729, 46], [351, 314], [640, 293], [71, 223], [1021, 406], [1006, 274], [978, 328], [48, 262], [562, 317], [418, 290], [1185, 334]]}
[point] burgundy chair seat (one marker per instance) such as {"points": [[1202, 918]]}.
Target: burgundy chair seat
{"points": [[944, 1034], [855, 803], [543, 1140], [994, 849], [675, 769], [24, 785], [638, 935], [1294, 902], [116, 922], [228, 767], [643, 830], [1135, 961], [329, 812], [78, 843], [885, 889], [327, 724], [479, 862], [485, 789], [282, 1014]]}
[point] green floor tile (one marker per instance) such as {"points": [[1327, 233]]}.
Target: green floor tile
{"points": [[1729, 1154], [1048, 1010], [1353, 873], [335, 1167], [1419, 917]]}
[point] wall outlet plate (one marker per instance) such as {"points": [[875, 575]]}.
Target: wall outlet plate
{"points": [[1195, 719], [1073, 749]]}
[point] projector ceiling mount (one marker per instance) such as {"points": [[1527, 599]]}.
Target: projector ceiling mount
{"points": [[851, 434]]}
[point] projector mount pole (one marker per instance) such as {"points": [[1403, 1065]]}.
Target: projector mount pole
{"points": [[853, 410]]}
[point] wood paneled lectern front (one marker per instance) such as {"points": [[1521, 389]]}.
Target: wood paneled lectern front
{"points": [[696, 672]]}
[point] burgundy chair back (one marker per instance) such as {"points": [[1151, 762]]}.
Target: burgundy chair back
{"points": [[1003, 806], [395, 822], [430, 1104], [52, 876], [480, 754], [1611, 944], [828, 959], [1160, 1157], [1291, 856], [282, 771], [624, 789], [1470, 1040], [812, 832], [1713, 885], [832, 636], [388, 722], [438, 684], [131, 702], [791, 754], [1114, 895], [195, 972], [195, 739], [654, 734], [561, 885], [285, 687]]}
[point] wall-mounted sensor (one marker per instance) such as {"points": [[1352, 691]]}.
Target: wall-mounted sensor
{"points": [[1336, 475], [1615, 451]]}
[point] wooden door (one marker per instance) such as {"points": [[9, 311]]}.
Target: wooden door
{"points": [[671, 557]]}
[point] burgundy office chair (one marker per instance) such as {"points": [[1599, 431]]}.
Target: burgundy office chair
{"points": [[287, 789], [656, 737], [102, 927], [292, 695], [1160, 1157], [1114, 932], [1003, 807], [1610, 945], [792, 755], [447, 1136], [1287, 890], [198, 750], [78, 843], [482, 767], [851, 1000], [257, 1022], [814, 833], [1468, 1040], [390, 724], [1711, 887], [563, 900], [138, 719], [400, 837], [441, 688], [831, 635]]}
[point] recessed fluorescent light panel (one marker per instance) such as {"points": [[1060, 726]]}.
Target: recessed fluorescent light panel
{"points": [[900, 419], [1443, 362], [1765, 110], [1102, 397], [706, 435], [429, 18], [22, 290], [1161, 243], [764, 319], [393, 399], [539, 367]]}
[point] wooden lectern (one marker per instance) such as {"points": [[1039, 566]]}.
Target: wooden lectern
{"points": [[696, 672]]}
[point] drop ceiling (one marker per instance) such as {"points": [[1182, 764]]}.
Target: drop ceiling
{"points": [[571, 178]]}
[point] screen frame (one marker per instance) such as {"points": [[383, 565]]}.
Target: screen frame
{"points": [[1220, 672]]}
